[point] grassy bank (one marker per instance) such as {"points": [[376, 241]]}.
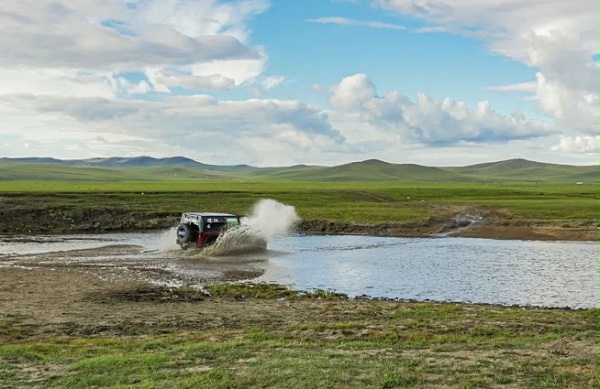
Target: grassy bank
{"points": [[281, 339]]}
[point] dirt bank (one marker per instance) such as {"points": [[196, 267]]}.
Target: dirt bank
{"points": [[65, 302], [484, 228]]}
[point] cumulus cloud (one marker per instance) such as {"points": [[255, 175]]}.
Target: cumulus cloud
{"points": [[427, 120], [352, 92], [559, 38], [82, 76], [207, 38], [578, 144], [197, 125]]}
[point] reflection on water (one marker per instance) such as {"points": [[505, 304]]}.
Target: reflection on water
{"points": [[552, 274]]}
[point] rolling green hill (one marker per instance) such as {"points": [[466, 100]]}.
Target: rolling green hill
{"points": [[371, 170], [525, 170], [185, 169], [27, 171]]}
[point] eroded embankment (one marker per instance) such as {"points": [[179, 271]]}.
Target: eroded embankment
{"points": [[488, 228], [101, 219]]}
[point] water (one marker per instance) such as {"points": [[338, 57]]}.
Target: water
{"points": [[528, 273], [550, 274]]}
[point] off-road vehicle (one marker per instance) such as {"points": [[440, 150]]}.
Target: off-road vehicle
{"points": [[201, 229]]}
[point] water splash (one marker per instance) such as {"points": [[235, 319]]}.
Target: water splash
{"points": [[166, 241], [268, 219]]}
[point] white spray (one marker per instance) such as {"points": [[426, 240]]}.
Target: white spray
{"points": [[268, 219], [166, 241]]}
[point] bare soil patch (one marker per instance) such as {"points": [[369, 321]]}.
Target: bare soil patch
{"points": [[63, 302], [459, 221]]}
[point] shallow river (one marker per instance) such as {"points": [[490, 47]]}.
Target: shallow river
{"points": [[531, 273]]}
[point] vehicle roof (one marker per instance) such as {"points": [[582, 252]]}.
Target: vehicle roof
{"points": [[207, 214]]}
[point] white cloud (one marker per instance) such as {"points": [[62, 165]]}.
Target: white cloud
{"points": [[201, 18], [83, 78], [578, 144], [523, 87], [66, 82], [197, 126], [557, 37], [271, 82], [352, 92], [239, 70], [427, 120], [268, 132], [205, 37], [163, 80], [358, 23], [263, 84]]}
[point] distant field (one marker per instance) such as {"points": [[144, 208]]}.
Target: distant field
{"points": [[356, 202]]}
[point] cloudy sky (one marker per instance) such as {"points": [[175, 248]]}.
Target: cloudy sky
{"points": [[284, 82]]}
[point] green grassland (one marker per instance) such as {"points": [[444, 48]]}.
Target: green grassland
{"points": [[327, 343], [345, 201]]}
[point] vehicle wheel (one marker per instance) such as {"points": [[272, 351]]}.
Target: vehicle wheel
{"points": [[184, 234]]}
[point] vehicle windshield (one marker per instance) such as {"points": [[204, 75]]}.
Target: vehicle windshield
{"points": [[217, 223]]}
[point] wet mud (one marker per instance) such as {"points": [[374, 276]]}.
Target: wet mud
{"points": [[115, 289], [112, 261], [64, 302]]}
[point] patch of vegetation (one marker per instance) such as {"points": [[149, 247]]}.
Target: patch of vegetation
{"points": [[267, 291], [383, 345]]}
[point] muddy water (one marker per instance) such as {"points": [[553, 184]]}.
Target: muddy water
{"points": [[550, 274]]}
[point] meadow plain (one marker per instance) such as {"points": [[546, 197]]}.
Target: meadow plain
{"points": [[61, 328], [542, 210]]}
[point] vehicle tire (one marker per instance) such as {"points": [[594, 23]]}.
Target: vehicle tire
{"points": [[184, 234]]}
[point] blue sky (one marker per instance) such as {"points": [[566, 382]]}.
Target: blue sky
{"points": [[283, 82], [396, 57]]}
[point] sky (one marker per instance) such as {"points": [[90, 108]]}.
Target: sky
{"points": [[287, 82]]}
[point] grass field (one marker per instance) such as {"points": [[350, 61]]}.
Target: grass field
{"points": [[557, 204], [274, 338]]}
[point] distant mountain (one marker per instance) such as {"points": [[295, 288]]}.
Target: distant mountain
{"points": [[35, 160], [112, 161], [524, 170], [138, 161], [504, 166], [371, 170], [181, 168]]}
